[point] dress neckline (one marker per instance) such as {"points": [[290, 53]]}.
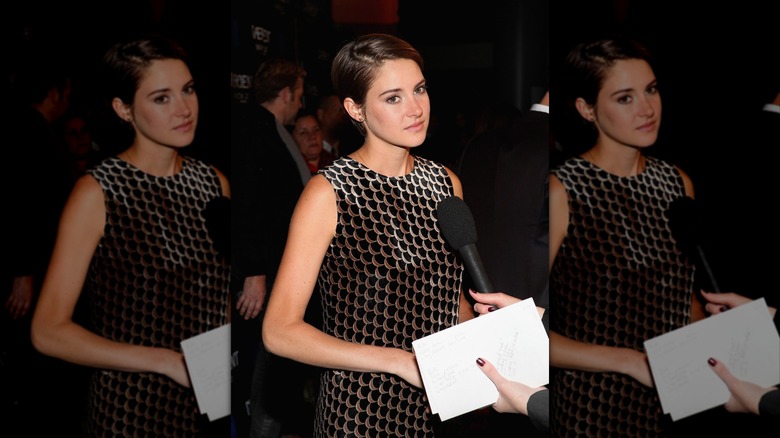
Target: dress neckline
{"points": [[648, 161], [415, 167], [134, 168]]}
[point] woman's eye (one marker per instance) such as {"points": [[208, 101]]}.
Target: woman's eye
{"points": [[653, 89], [393, 99], [422, 89], [189, 90], [624, 99], [161, 99]]}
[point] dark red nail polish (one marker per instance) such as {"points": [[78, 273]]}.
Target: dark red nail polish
{"points": [[480, 361], [724, 308], [492, 308], [711, 361]]}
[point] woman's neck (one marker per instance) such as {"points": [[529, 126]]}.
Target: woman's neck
{"points": [[157, 161], [385, 160], [618, 160]]}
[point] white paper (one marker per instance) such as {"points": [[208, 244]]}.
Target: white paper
{"points": [[208, 362], [513, 339], [743, 338]]}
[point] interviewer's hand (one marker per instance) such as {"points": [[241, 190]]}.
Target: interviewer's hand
{"points": [[512, 396], [489, 302], [745, 396], [721, 302]]}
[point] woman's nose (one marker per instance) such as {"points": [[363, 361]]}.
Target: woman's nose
{"points": [[185, 107]]}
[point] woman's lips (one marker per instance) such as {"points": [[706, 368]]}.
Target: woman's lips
{"points": [[416, 127], [184, 126], [650, 126]]}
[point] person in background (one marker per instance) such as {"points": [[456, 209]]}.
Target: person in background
{"points": [[333, 123], [268, 174], [37, 179], [504, 173], [78, 139], [308, 137]]}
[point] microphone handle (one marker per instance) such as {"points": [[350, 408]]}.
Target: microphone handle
{"points": [[708, 269], [474, 265]]}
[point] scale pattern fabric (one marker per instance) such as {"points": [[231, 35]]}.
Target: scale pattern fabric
{"points": [[156, 279], [388, 278], [618, 280]]}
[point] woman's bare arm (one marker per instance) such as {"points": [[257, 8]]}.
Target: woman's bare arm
{"points": [[284, 331], [567, 353], [53, 331]]}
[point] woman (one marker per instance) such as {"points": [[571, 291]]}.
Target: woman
{"points": [[617, 275], [365, 230], [308, 136], [134, 234]]}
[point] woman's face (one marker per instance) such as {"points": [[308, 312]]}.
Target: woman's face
{"points": [[628, 106], [397, 107], [165, 106], [308, 137]]}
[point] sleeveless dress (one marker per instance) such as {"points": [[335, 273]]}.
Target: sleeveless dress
{"points": [[387, 279], [155, 280], [618, 280]]}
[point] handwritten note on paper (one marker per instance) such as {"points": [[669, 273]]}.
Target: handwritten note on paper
{"points": [[744, 339], [208, 362], [512, 338]]}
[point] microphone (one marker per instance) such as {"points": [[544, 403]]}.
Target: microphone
{"points": [[457, 226], [683, 220], [217, 216]]}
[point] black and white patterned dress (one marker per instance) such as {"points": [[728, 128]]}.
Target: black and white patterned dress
{"points": [[618, 280], [155, 280], [388, 278]]}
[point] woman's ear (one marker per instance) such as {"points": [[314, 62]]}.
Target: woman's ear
{"points": [[123, 111], [354, 110], [586, 110]]}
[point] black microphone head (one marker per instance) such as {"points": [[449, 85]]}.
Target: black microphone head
{"points": [[683, 223], [456, 222]]}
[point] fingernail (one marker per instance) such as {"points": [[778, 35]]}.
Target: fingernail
{"points": [[492, 308], [711, 361], [480, 361], [724, 308], [472, 291]]}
